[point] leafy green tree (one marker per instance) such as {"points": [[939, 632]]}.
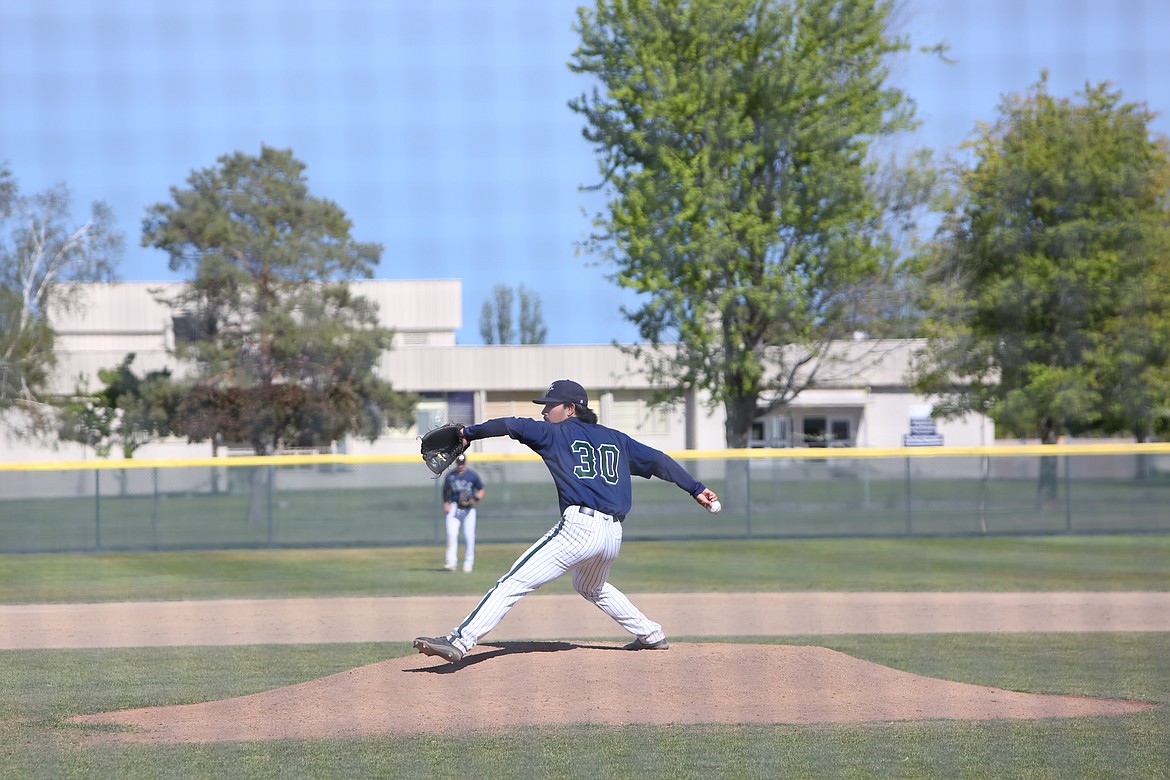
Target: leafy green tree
{"points": [[735, 140], [41, 254], [532, 328], [911, 193], [495, 318], [285, 354], [127, 413], [508, 306], [1051, 272]]}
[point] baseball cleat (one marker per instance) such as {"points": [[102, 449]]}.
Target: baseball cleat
{"points": [[467, 567], [449, 567], [638, 644], [438, 646]]}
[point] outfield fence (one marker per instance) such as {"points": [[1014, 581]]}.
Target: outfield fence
{"points": [[339, 500]]}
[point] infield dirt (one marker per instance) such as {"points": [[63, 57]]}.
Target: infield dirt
{"points": [[518, 682]]}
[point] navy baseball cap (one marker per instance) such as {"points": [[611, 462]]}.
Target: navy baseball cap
{"points": [[564, 391]]}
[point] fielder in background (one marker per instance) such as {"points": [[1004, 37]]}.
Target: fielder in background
{"points": [[591, 466], [462, 490]]}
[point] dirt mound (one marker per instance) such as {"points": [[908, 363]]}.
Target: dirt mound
{"points": [[515, 684]]}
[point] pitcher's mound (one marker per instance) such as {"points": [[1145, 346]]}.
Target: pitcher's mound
{"points": [[517, 684]]}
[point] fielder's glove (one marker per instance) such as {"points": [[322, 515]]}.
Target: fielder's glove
{"points": [[466, 499], [441, 446]]}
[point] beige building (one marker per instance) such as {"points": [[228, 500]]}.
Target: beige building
{"points": [[859, 401]]}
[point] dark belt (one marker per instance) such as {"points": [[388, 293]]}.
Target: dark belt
{"points": [[586, 510]]}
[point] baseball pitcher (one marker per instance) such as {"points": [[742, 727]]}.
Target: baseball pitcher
{"points": [[591, 466]]}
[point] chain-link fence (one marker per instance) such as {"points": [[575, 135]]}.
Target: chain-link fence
{"points": [[335, 500]]}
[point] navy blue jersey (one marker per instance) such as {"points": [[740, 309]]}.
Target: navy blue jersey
{"points": [[455, 483], [590, 464]]}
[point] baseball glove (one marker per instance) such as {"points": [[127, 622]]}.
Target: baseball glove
{"points": [[441, 446], [466, 499]]}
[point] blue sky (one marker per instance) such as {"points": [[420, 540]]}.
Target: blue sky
{"points": [[442, 127]]}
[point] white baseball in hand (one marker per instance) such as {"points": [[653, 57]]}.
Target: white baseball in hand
{"points": [[714, 507]]}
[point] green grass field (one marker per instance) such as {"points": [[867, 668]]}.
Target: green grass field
{"points": [[43, 689], [993, 564]]}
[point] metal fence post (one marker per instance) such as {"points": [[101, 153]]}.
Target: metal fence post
{"points": [[748, 513], [440, 518], [97, 509], [909, 502], [271, 479]]}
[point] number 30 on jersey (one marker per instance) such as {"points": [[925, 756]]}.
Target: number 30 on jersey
{"points": [[600, 461]]}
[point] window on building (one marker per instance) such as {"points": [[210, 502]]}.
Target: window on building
{"points": [[461, 408], [770, 432], [633, 415], [822, 431], [781, 432], [498, 405], [191, 326], [430, 414], [411, 338], [815, 431]]}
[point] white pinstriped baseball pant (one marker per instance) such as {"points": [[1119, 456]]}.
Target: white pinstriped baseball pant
{"points": [[453, 524], [584, 544]]}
